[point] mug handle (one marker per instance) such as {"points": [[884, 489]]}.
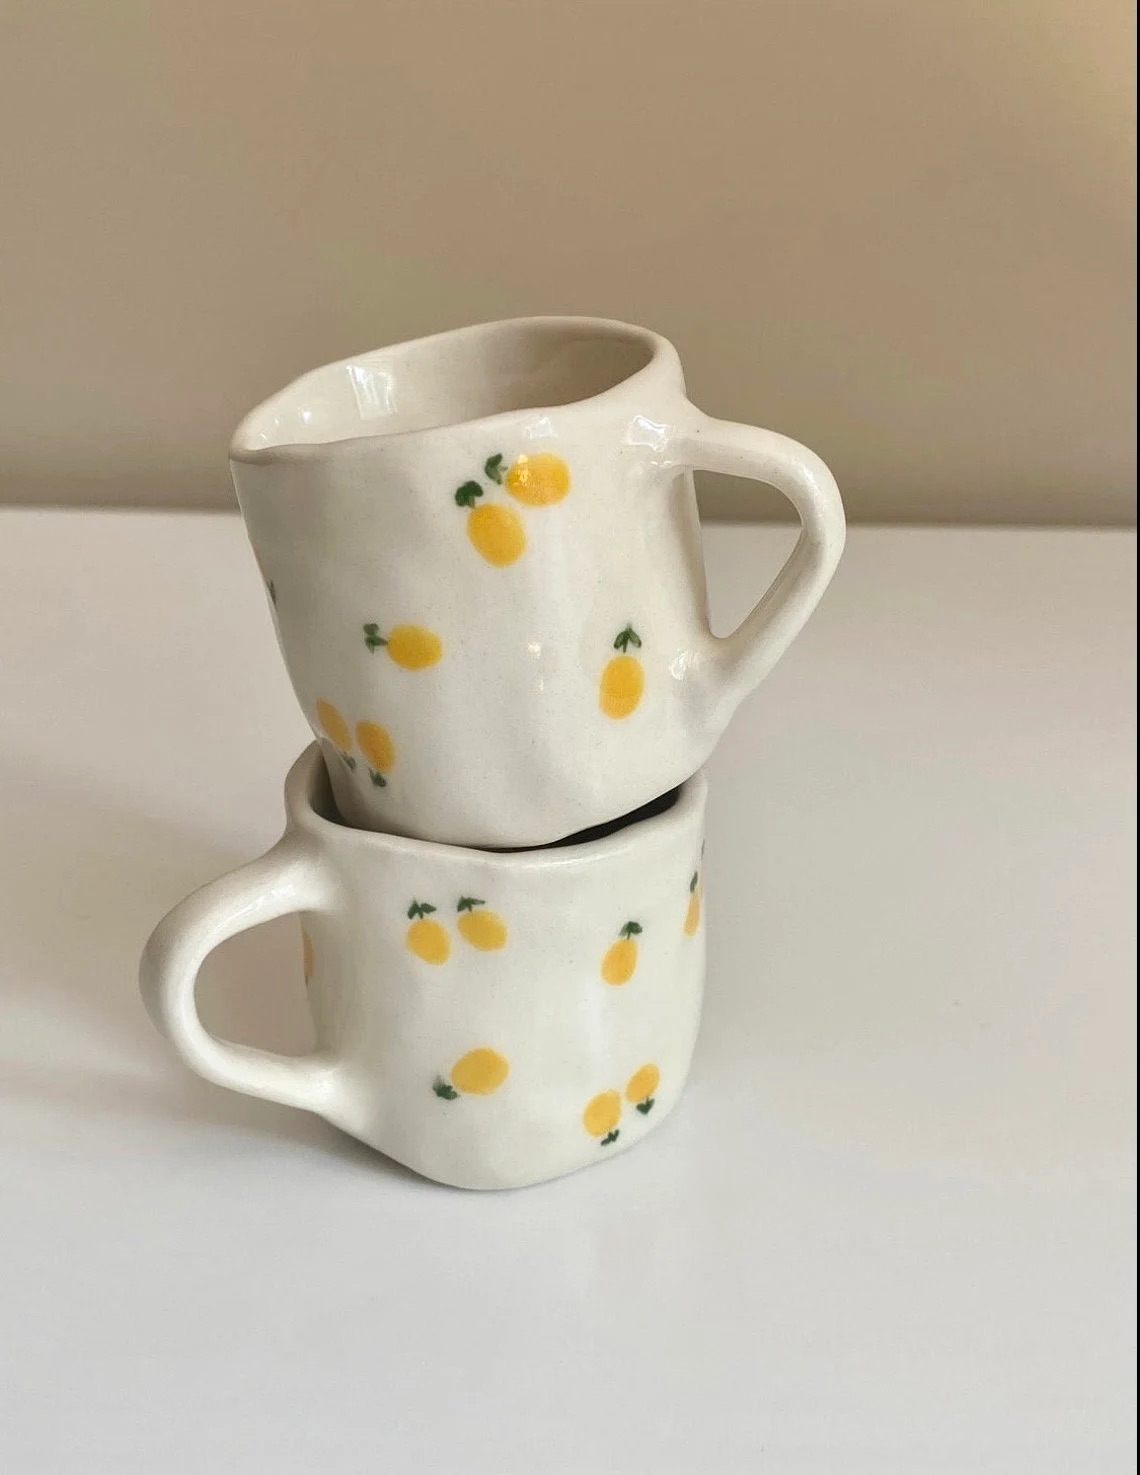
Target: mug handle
{"points": [[286, 879], [742, 659]]}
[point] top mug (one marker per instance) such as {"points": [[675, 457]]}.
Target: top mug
{"points": [[483, 556]]}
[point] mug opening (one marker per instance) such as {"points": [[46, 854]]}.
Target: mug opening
{"points": [[447, 380], [309, 800], [661, 805]]}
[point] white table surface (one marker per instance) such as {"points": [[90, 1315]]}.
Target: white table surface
{"points": [[890, 1227]]}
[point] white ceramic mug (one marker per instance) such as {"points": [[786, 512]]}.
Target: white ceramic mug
{"points": [[484, 559], [490, 1020]]}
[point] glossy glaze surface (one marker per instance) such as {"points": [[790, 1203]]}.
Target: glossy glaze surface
{"points": [[483, 557], [488, 1020]]}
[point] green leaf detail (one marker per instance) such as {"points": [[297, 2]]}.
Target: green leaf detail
{"points": [[469, 903], [444, 1089], [378, 779], [468, 494], [631, 929], [626, 638], [609, 1137], [693, 882], [372, 637], [348, 760], [645, 1107], [420, 909], [493, 468]]}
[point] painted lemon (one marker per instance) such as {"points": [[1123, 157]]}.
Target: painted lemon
{"points": [[539, 480], [485, 930], [495, 531], [426, 938], [480, 1072], [602, 1115], [307, 955], [693, 914], [623, 680], [621, 958], [642, 1087], [375, 742], [333, 725], [410, 646]]}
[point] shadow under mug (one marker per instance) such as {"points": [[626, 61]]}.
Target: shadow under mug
{"points": [[483, 557], [488, 1019]]}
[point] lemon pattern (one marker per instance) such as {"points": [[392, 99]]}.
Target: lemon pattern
{"points": [[496, 530], [601, 1117], [375, 742], [426, 938], [482, 929], [603, 1111], [693, 913], [641, 1088], [336, 729], [410, 646], [623, 680], [620, 960], [478, 1073], [539, 480]]}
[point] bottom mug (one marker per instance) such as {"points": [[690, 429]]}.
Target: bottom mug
{"points": [[488, 1019]]}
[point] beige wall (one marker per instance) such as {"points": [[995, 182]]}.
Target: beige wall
{"points": [[902, 231]]}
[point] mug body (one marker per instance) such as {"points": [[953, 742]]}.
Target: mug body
{"points": [[492, 1020], [486, 577]]}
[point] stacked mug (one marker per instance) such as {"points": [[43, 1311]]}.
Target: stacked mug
{"points": [[482, 555]]}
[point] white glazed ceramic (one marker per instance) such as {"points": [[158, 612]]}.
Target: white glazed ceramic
{"points": [[539, 1019], [484, 559]]}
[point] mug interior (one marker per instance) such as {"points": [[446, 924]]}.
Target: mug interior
{"points": [[450, 379], [324, 806], [661, 805]]}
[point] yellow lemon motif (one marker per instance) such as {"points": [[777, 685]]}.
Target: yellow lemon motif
{"points": [[496, 531], [623, 680], [333, 725], [485, 930], [693, 914], [306, 955], [427, 939], [498, 534], [602, 1115], [621, 958], [480, 1073], [539, 480], [642, 1087], [410, 646], [375, 742], [336, 729]]}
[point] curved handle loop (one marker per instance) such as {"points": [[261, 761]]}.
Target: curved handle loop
{"points": [[286, 879], [745, 657]]}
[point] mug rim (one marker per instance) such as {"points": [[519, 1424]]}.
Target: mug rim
{"points": [[309, 771], [243, 451]]}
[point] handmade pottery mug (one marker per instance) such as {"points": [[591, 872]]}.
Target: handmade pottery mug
{"points": [[483, 556], [488, 1019]]}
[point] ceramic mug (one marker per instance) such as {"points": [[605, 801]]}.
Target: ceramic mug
{"points": [[484, 561], [488, 1019]]}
